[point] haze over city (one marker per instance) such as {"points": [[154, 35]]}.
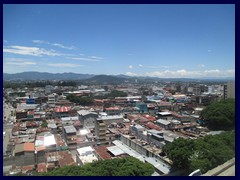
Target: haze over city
{"points": [[166, 41]]}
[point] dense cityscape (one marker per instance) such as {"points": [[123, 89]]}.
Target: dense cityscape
{"points": [[119, 89], [54, 126]]}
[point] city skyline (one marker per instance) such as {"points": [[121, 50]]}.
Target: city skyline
{"points": [[168, 41]]}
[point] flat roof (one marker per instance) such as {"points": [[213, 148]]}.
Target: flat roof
{"points": [[85, 150], [116, 151], [70, 129], [73, 118], [83, 131], [110, 117], [161, 166], [49, 140], [128, 150], [85, 112], [164, 113], [158, 165], [162, 121]]}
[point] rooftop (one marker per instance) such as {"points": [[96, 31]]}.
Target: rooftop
{"points": [[110, 117], [62, 109], [102, 152], [85, 112], [73, 118], [70, 129], [164, 122], [116, 151]]}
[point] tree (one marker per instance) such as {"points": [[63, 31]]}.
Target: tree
{"points": [[220, 115], [180, 151], [44, 124], [204, 153], [128, 166], [84, 100]]}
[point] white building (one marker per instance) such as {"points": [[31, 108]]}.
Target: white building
{"points": [[85, 155], [52, 98]]}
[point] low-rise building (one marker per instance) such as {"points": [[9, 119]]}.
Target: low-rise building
{"points": [[85, 155], [70, 136]]}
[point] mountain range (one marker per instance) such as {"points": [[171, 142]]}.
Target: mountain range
{"points": [[91, 78]]}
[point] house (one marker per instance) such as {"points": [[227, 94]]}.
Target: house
{"points": [[85, 155], [164, 115], [163, 123], [24, 154], [62, 111], [70, 136], [101, 128], [113, 111], [87, 118], [142, 107]]}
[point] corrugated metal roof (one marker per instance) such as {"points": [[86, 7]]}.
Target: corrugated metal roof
{"points": [[162, 121], [158, 165], [115, 150], [85, 112]]}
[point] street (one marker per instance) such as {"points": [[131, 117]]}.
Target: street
{"points": [[7, 125]]}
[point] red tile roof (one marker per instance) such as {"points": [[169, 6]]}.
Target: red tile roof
{"points": [[150, 125], [151, 118], [102, 152], [62, 109], [29, 147], [112, 109]]}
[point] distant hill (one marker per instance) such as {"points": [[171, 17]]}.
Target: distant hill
{"points": [[101, 79], [106, 79], [45, 76]]}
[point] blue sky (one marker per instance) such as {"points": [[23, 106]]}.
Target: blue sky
{"points": [[143, 40]]}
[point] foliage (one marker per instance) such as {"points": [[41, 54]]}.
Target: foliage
{"points": [[112, 94], [128, 166], [179, 152], [220, 115], [84, 100], [44, 124], [203, 153]]}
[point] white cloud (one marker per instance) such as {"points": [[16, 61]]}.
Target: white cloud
{"points": [[130, 66], [15, 59], [201, 65], [31, 51], [154, 67], [95, 57], [40, 42], [84, 59], [54, 44], [166, 67], [64, 47], [131, 74], [209, 50], [5, 41], [25, 63], [18, 62], [191, 74], [64, 65]]}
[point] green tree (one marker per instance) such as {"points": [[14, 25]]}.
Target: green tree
{"points": [[44, 124], [128, 166], [180, 151], [220, 115], [204, 153]]}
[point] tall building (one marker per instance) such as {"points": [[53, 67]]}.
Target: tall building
{"points": [[52, 98], [229, 90]]}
